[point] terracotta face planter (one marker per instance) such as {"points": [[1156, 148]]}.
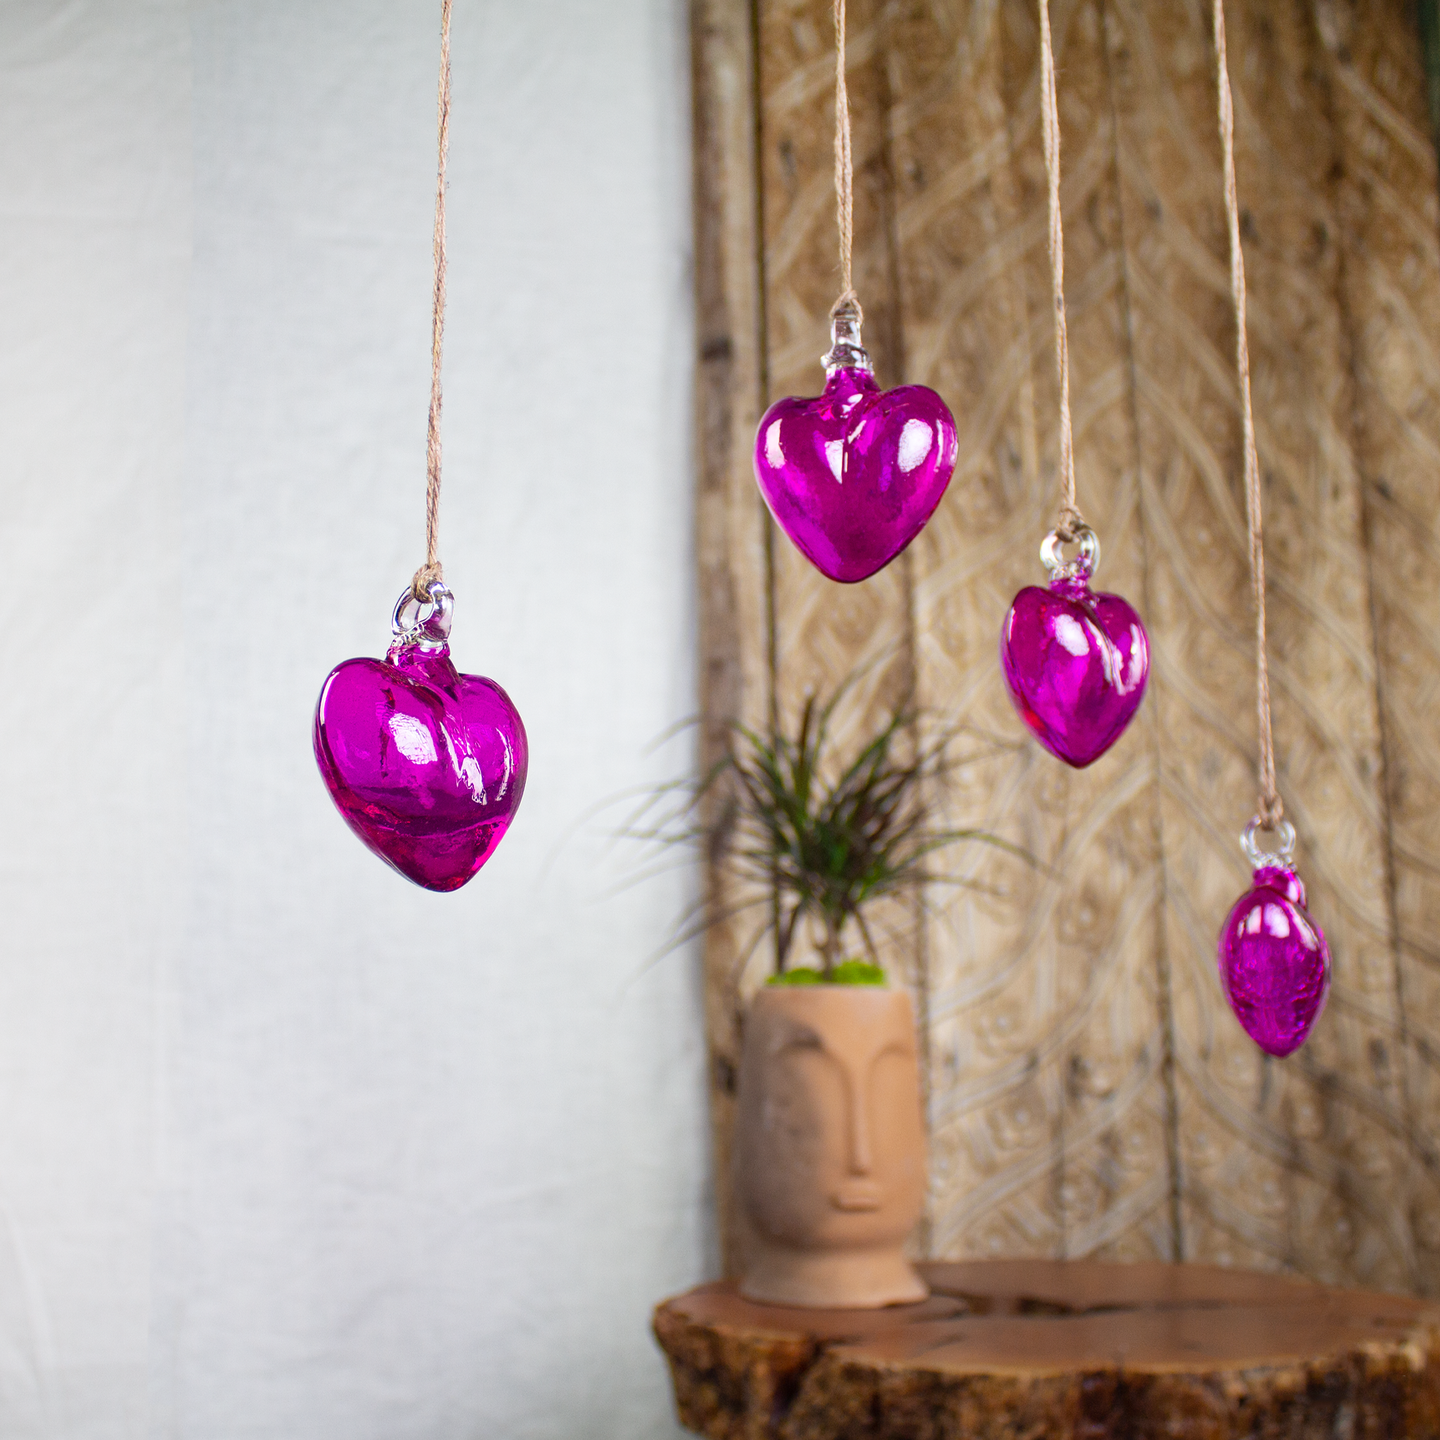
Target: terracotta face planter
{"points": [[830, 1145]]}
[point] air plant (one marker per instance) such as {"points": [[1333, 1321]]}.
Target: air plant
{"points": [[818, 834]]}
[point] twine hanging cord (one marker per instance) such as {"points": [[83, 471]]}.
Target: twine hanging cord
{"points": [[1072, 522], [848, 304], [1270, 810], [432, 570]]}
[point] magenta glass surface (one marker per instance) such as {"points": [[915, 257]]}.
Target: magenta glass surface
{"points": [[426, 765], [852, 476], [1076, 664], [1274, 963]]}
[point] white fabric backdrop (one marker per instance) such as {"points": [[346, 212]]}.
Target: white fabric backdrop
{"points": [[289, 1148]]}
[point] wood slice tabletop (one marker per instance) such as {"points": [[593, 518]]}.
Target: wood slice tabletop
{"points": [[1025, 1349]]}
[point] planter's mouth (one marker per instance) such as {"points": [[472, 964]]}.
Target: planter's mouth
{"points": [[857, 1195]]}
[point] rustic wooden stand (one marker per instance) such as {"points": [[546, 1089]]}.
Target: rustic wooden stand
{"points": [[1049, 1350]]}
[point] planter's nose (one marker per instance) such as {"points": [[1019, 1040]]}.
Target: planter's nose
{"points": [[861, 1162], [857, 1193]]}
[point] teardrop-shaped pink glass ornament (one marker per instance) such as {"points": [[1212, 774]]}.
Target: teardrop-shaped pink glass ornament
{"points": [[852, 475], [426, 765], [1075, 661], [1274, 963]]}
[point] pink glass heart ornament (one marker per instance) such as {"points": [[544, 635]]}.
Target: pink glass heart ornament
{"points": [[1075, 661], [852, 475], [426, 765], [1274, 963]]}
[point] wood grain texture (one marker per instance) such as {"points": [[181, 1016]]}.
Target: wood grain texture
{"points": [[1048, 1105], [1295, 1163], [1005, 1350], [1089, 1092], [732, 539], [1384, 189]]}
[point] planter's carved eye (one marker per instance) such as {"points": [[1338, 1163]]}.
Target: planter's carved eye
{"points": [[895, 1047], [803, 1040]]}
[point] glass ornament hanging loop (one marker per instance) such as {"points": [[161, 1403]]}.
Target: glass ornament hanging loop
{"points": [[426, 622], [1083, 565], [1259, 858], [846, 351]]}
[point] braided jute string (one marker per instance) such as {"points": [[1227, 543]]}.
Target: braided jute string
{"points": [[1070, 517], [1271, 810], [432, 570], [844, 175]]}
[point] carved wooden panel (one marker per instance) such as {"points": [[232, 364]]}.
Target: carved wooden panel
{"points": [[1385, 199], [1089, 1093]]}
